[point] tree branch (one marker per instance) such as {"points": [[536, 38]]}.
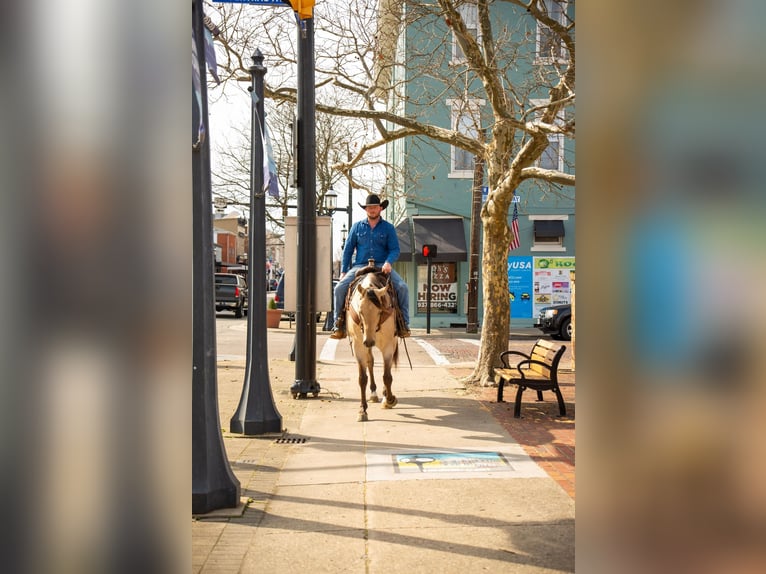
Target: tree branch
{"points": [[549, 175]]}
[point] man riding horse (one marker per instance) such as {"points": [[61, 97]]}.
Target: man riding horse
{"points": [[375, 239]]}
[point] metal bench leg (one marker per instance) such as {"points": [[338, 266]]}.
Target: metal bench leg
{"points": [[517, 407], [500, 384], [540, 396], [562, 406]]}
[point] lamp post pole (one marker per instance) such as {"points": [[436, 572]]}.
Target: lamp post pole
{"points": [[256, 412], [350, 189], [214, 485]]}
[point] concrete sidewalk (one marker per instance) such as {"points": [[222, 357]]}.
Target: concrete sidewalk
{"points": [[433, 485]]}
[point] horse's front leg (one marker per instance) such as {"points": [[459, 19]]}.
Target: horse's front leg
{"points": [[391, 399], [373, 388], [363, 388]]}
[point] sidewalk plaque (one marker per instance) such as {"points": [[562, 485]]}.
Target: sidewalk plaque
{"points": [[449, 462]]}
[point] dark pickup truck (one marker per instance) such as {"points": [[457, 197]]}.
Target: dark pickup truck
{"points": [[230, 293]]}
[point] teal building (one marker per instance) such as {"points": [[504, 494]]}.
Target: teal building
{"points": [[430, 184]]}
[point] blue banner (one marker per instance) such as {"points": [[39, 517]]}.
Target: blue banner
{"points": [[520, 286]]}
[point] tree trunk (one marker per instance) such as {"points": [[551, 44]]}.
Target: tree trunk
{"points": [[494, 331]]}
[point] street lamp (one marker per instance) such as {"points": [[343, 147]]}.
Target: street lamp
{"points": [[330, 206], [330, 201]]}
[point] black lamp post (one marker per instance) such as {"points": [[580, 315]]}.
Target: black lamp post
{"points": [[330, 206], [256, 413], [214, 485]]}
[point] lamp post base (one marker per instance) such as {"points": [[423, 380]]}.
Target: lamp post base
{"points": [[255, 427], [301, 389]]}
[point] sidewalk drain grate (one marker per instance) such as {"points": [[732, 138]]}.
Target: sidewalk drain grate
{"points": [[291, 440]]}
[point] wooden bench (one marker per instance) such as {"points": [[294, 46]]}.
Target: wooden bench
{"points": [[538, 371]]}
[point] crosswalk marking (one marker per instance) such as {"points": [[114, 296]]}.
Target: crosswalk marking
{"points": [[432, 351], [328, 350]]}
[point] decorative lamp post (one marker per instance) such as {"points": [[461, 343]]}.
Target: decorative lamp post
{"points": [[214, 485], [256, 413]]}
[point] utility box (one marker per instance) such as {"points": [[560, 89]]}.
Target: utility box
{"points": [[320, 274]]}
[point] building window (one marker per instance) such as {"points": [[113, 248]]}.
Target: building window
{"points": [[550, 48], [553, 156], [465, 119], [548, 232], [470, 14]]}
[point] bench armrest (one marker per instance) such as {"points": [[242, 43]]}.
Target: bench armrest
{"points": [[505, 354], [532, 362]]}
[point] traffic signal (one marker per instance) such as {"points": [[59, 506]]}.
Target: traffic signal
{"points": [[429, 250], [304, 8]]}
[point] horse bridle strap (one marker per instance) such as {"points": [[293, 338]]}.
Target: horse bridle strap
{"points": [[384, 314]]}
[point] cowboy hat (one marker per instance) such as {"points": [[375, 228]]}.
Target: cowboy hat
{"points": [[373, 199]]}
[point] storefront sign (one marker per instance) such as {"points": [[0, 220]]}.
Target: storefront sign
{"points": [[552, 285], [443, 288]]}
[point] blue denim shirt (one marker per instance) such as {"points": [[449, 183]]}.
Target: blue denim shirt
{"points": [[380, 244]]}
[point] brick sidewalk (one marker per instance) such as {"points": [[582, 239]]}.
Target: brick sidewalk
{"points": [[546, 437]]}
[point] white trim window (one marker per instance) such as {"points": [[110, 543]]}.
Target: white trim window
{"points": [[464, 118], [548, 232], [470, 14], [549, 47], [553, 156]]}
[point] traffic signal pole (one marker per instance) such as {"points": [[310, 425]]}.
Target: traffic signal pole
{"points": [[428, 251], [305, 316]]}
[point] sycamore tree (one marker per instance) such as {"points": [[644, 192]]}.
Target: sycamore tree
{"points": [[516, 57], [231, 175]]}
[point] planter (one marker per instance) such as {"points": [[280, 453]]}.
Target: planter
{"points": [[273, 317]]}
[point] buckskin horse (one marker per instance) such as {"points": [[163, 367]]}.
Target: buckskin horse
{"points": [[371, 322]]}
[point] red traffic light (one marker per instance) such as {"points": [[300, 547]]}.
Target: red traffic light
{"points": [[429, 250]]}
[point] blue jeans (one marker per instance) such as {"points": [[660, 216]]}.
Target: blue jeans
{"points": [[402, 293]]}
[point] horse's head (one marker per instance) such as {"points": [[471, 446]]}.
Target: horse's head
{"points": [[374, 302]]}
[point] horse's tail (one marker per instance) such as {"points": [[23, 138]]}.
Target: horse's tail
{"points": [[395, 360]]}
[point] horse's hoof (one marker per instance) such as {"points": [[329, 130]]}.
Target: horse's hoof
{"points": [[391, 404], [374, 398], [362, 418]]}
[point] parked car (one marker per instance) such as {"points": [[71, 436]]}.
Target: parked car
{"points": [[556, 321], [279, 296], [230, 293]]}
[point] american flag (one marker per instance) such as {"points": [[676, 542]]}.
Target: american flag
{"points": [[515, 228]]}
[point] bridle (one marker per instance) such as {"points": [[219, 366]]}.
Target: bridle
{"points": [[385, 312]]}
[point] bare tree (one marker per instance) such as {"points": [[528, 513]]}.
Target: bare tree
{"points": [[358, 76]]}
